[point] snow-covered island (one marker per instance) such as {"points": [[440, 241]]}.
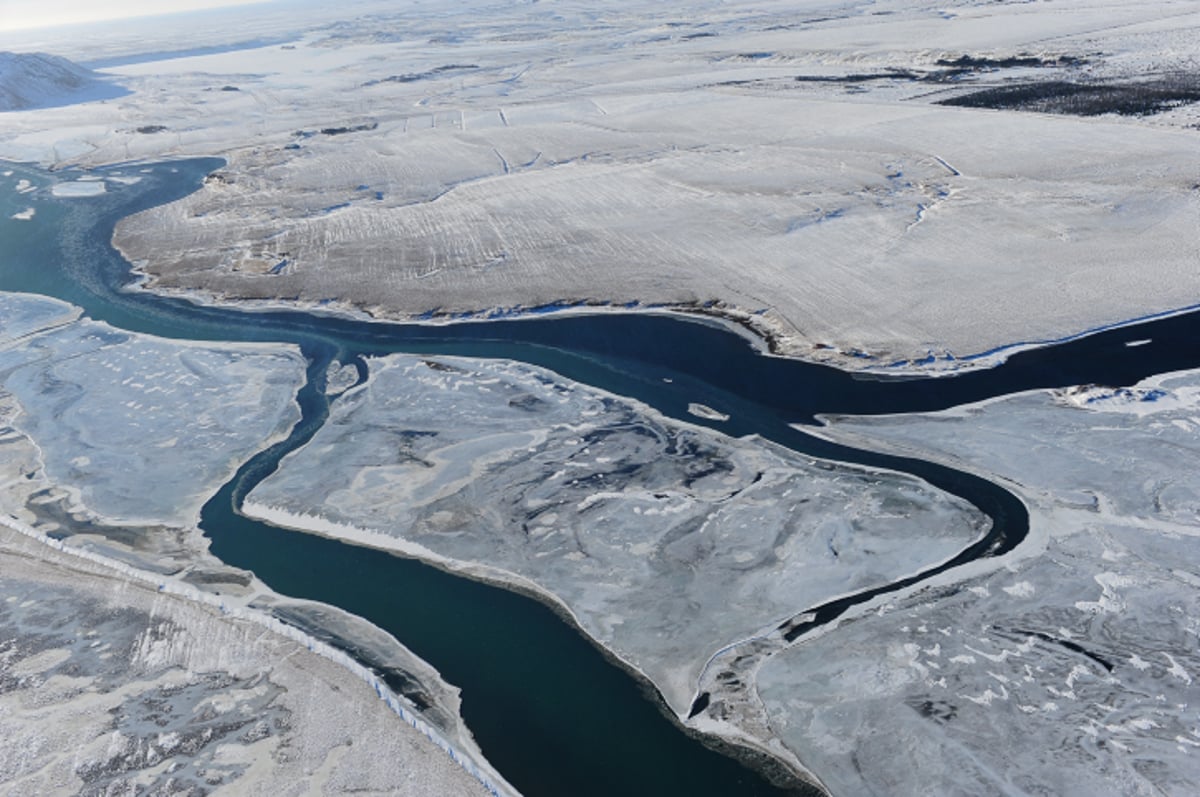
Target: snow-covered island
{"points": [[665, 542]]}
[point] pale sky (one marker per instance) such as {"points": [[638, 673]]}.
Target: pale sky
{"points": [[21, 14]]}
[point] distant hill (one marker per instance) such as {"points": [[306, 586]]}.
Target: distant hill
{"points": [[40, 80]]}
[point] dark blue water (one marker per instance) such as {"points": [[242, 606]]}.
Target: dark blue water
{"points": [[548, 710]]}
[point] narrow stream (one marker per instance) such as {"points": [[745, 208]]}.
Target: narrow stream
{"points": [[549, 711]]}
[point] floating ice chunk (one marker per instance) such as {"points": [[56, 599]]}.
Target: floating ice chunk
{"points": [[78, 188], [24, 215], [1110, 600], [706, 412]]}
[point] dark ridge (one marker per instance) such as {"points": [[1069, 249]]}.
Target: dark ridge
{"points": [[337, 131], [151, 128], [701, 35], [952, 69], [226, 576], [1072, 646], [939, 711], [700, 704], [1086, 99], [1024, 59], [858, 77], [413, 77]]}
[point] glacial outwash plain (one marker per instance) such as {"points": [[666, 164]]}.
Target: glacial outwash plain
{"points": [[918, 194]]}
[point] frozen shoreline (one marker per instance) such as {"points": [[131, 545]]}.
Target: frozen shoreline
{"points": [[762, 333], [878, 230]]}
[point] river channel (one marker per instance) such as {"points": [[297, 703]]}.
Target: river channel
{"points": [[550, 712]]}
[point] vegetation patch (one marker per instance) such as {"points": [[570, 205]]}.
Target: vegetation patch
{"points": [[859, 77], [1142, 98], [974, 62]]}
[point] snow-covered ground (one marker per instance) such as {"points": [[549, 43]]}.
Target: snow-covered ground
{"points": [[1069, 668], [39, 80], [113, 687], [785, 160], [130, 655]]}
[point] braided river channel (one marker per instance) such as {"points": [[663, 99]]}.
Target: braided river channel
{"points": [[549, 711]]}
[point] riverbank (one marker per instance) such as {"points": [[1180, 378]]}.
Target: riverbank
{"points": [[114, 523], [764, 331], [79, 265], [272, 709], [1090, 356], [782, 768]]}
